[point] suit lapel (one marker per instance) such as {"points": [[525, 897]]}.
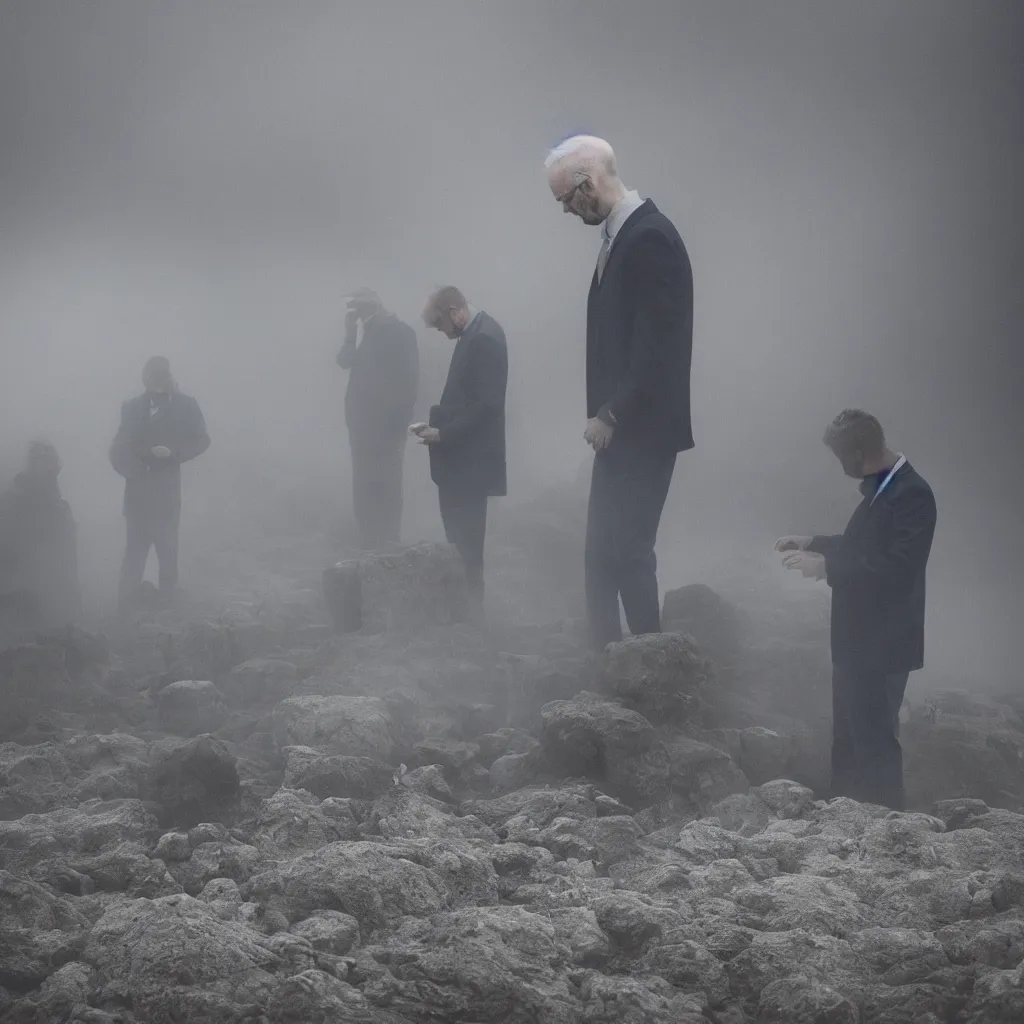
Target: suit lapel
{"points": [[622, 239]]}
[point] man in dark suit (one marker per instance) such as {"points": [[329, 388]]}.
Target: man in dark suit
{"points": [[466, 432], [160, 429], [384, 376], [639, 336], [876, 570]]}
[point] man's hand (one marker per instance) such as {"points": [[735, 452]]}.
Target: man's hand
{"points": [[810, 565], [598, 434], [424, 433], [160, 452], [351, 320], [793, 543]]}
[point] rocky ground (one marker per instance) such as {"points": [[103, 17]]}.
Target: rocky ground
{"points": [[250, 817]]}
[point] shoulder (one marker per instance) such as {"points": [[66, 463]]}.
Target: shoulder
{"points": [[489, 335], [133, 403], [914, 492]]}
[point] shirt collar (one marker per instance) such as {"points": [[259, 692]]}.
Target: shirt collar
{"points": [[620, 213], [474, 315]]}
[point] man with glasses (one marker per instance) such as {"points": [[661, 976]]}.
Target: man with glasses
{"points": [[639, 336]]}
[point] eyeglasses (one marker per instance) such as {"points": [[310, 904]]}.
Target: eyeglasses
{"points": [[569, 196]]}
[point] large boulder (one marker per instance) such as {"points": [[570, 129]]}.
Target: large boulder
{"points": [[193, 781], [354, 726], [191, 707], [661, 675], [341, 775], [174, 959], [713, 622], [405, 591], [371, 882]]}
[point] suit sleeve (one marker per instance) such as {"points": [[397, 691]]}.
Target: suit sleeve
{"points": [[490, 378], [825, 545], [123, 455], [913, 529], [660, 282], [195, 439]]}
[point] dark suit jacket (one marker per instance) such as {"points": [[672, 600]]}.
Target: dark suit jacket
{"points": [[381, 393], [640, 334], [876, 569], [470, 456], [152, 487]]}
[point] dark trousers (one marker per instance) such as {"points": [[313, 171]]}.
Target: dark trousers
{"points": [[377, 490], [464, 515], [867, 760], [144, 533], [627, 494]]}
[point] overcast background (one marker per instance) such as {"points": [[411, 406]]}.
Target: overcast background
{"points": [[206, 179]]}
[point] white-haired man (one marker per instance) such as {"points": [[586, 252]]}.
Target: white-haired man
{"points": [[639, 337]]}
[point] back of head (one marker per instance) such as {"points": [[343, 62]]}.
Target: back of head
{"points": [[853, 431]]}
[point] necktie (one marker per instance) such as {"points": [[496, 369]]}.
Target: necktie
{"points": [[602, 256]]}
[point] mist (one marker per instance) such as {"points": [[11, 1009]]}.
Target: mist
{"points": [[206, 181]]}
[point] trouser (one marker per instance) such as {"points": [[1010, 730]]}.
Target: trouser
{"points": [[867, 760], [628, 489], [377, 491], [464, 515], [142, 535]]}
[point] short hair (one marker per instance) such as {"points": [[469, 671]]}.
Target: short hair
{"points": [[443, 299], [854, 429], [585, 153]]}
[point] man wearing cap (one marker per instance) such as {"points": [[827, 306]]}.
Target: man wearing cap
{"points": [[876, 569], [381, 356], [160, 429]]}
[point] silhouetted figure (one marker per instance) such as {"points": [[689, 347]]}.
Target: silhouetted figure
{"points": [[38, 552], [466, 432], [384, 376], [639, 338], [160, 429], [876, 570]]}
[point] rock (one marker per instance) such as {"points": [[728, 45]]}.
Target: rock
{"points": [[761, 754], [413, 589], [292, 822], [454, 756], [372, 882], [514, 771], [337, 775], [715, 624], [190, 707], [404, 814], [356, 726], [785, 798], [173, 958], [258, 680], [600, 740], [661, 675], [802, 1000], [330, 931], [192, 781], [430, 781], [33, 679]]}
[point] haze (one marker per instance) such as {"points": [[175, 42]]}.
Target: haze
{"points": [[206, 181]]}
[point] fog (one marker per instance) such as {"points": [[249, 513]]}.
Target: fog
{"points": [[207, 180]]}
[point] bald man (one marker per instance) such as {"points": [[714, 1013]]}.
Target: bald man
{"points": [[639, 335]]}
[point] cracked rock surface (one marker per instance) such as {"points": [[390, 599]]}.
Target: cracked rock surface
{"points": [[253, 819]]}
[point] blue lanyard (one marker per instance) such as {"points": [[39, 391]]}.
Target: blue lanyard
{"points": [[900, 463]]}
